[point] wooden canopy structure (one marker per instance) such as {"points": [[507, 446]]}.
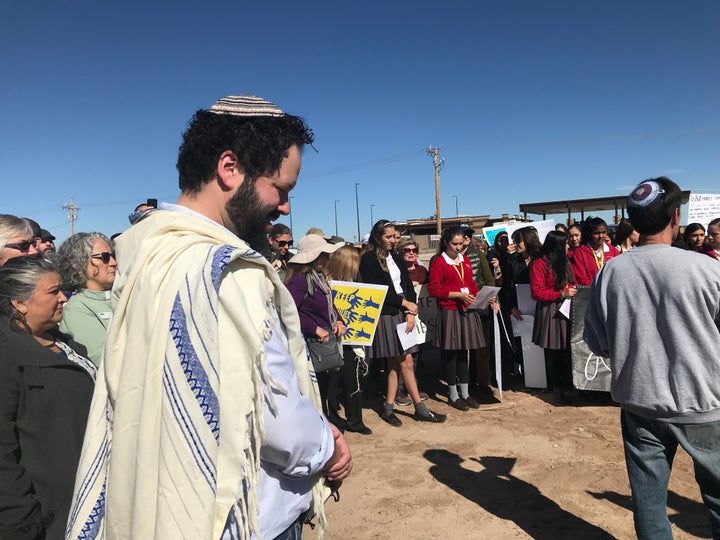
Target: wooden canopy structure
{"points": [[569, 207]]}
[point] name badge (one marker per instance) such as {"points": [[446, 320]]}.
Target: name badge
{"points": [[464, 290], [105, 314]]}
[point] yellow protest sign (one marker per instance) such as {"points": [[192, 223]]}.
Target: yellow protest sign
{"points": [[359, 305]]}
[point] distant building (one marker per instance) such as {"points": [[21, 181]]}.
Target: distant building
{"points": [[425, 230]]}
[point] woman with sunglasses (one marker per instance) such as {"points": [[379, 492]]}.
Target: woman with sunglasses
{"points": [[382, 266], [16, 238], [46, 386], [87, 266], [409, 251], [278, 250]]}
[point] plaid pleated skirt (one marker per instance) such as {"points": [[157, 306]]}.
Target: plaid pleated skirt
{"points": [[459, 330], [550, 330], [386, 342]]}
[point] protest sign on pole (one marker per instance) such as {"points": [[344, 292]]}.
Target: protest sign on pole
{"points": [[359, 305], [703, 208]]}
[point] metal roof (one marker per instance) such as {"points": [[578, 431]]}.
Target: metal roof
{"points": [[570, 206]]}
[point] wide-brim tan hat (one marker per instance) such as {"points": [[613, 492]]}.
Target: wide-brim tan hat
{"points": [[310, 247]]}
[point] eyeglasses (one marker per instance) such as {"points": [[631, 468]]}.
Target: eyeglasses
{"points": [[23, 246], [410, 250], [283, 243], [105, 256]]}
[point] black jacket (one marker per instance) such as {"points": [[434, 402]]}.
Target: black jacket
{"points": [[372, 272], [44, 404]]}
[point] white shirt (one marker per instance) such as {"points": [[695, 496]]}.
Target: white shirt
{"points": [[395, 274], [298, 443]]}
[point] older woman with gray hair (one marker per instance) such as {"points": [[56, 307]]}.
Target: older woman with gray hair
{"points": [[87, 266], [16, 238], [46, 385]]}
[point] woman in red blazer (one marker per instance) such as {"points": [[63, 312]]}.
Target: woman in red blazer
{"points": [[589, 258], [551, 283], [458, 329]]}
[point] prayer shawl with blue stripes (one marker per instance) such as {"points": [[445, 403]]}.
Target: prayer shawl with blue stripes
{"points": [[173, 439]]}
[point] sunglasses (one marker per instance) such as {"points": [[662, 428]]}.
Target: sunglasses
{"points": [[22, 247], [105, 256], [283, 243], [410, 250]]}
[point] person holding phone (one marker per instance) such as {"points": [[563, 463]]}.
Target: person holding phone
{"points": [[278, 251]]}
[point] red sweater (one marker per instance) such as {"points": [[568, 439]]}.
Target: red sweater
{"points": [[584, 264], [707, 250], [446, 278], [542, 282]]}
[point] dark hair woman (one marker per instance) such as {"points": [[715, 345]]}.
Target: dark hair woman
{"points": [[574, 237], [626, 236], [45, 391], [694, 237], [551, 283], [590, 257], [526, 246], [458, 328], [511, 347], [380, 265]]}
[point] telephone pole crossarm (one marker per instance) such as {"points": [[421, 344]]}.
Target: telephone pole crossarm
{"points": [[72, 211]]}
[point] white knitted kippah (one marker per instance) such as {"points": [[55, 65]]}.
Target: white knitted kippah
{"points": [[645, 195], [245, 106]]}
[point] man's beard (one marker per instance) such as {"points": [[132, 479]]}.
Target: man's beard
{"points": [[245, 212]]}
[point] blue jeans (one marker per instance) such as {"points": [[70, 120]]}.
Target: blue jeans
{"points": [[294, 531], [650, 447]]}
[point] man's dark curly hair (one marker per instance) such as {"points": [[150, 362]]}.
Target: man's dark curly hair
{"points": [[259, 142]]}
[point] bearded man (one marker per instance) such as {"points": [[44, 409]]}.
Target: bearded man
{"points": [[205, 422]]}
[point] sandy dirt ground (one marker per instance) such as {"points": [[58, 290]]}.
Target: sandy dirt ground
{"points": [[523, 468]]}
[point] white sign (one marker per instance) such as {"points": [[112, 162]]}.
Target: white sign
{"points": [[703, 208], [543, 227]]}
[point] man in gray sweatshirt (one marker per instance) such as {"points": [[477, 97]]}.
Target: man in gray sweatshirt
{"points": [[655, 311]]}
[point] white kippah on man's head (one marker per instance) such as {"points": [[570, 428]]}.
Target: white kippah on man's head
{"points": [[645, 195], [245, 106]]}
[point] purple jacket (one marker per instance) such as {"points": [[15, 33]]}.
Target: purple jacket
{"points": [[313, 309]]}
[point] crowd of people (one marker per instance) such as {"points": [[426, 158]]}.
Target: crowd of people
{"points": [[202, 292]]}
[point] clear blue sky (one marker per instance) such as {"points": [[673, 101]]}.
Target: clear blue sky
{"points": [[529, 101]]}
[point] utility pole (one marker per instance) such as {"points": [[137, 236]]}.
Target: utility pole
{"points": [[336, 229], [456, 206], [290, 215], [357, 209], [372, 221], [72, 211], [437, 164]]}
